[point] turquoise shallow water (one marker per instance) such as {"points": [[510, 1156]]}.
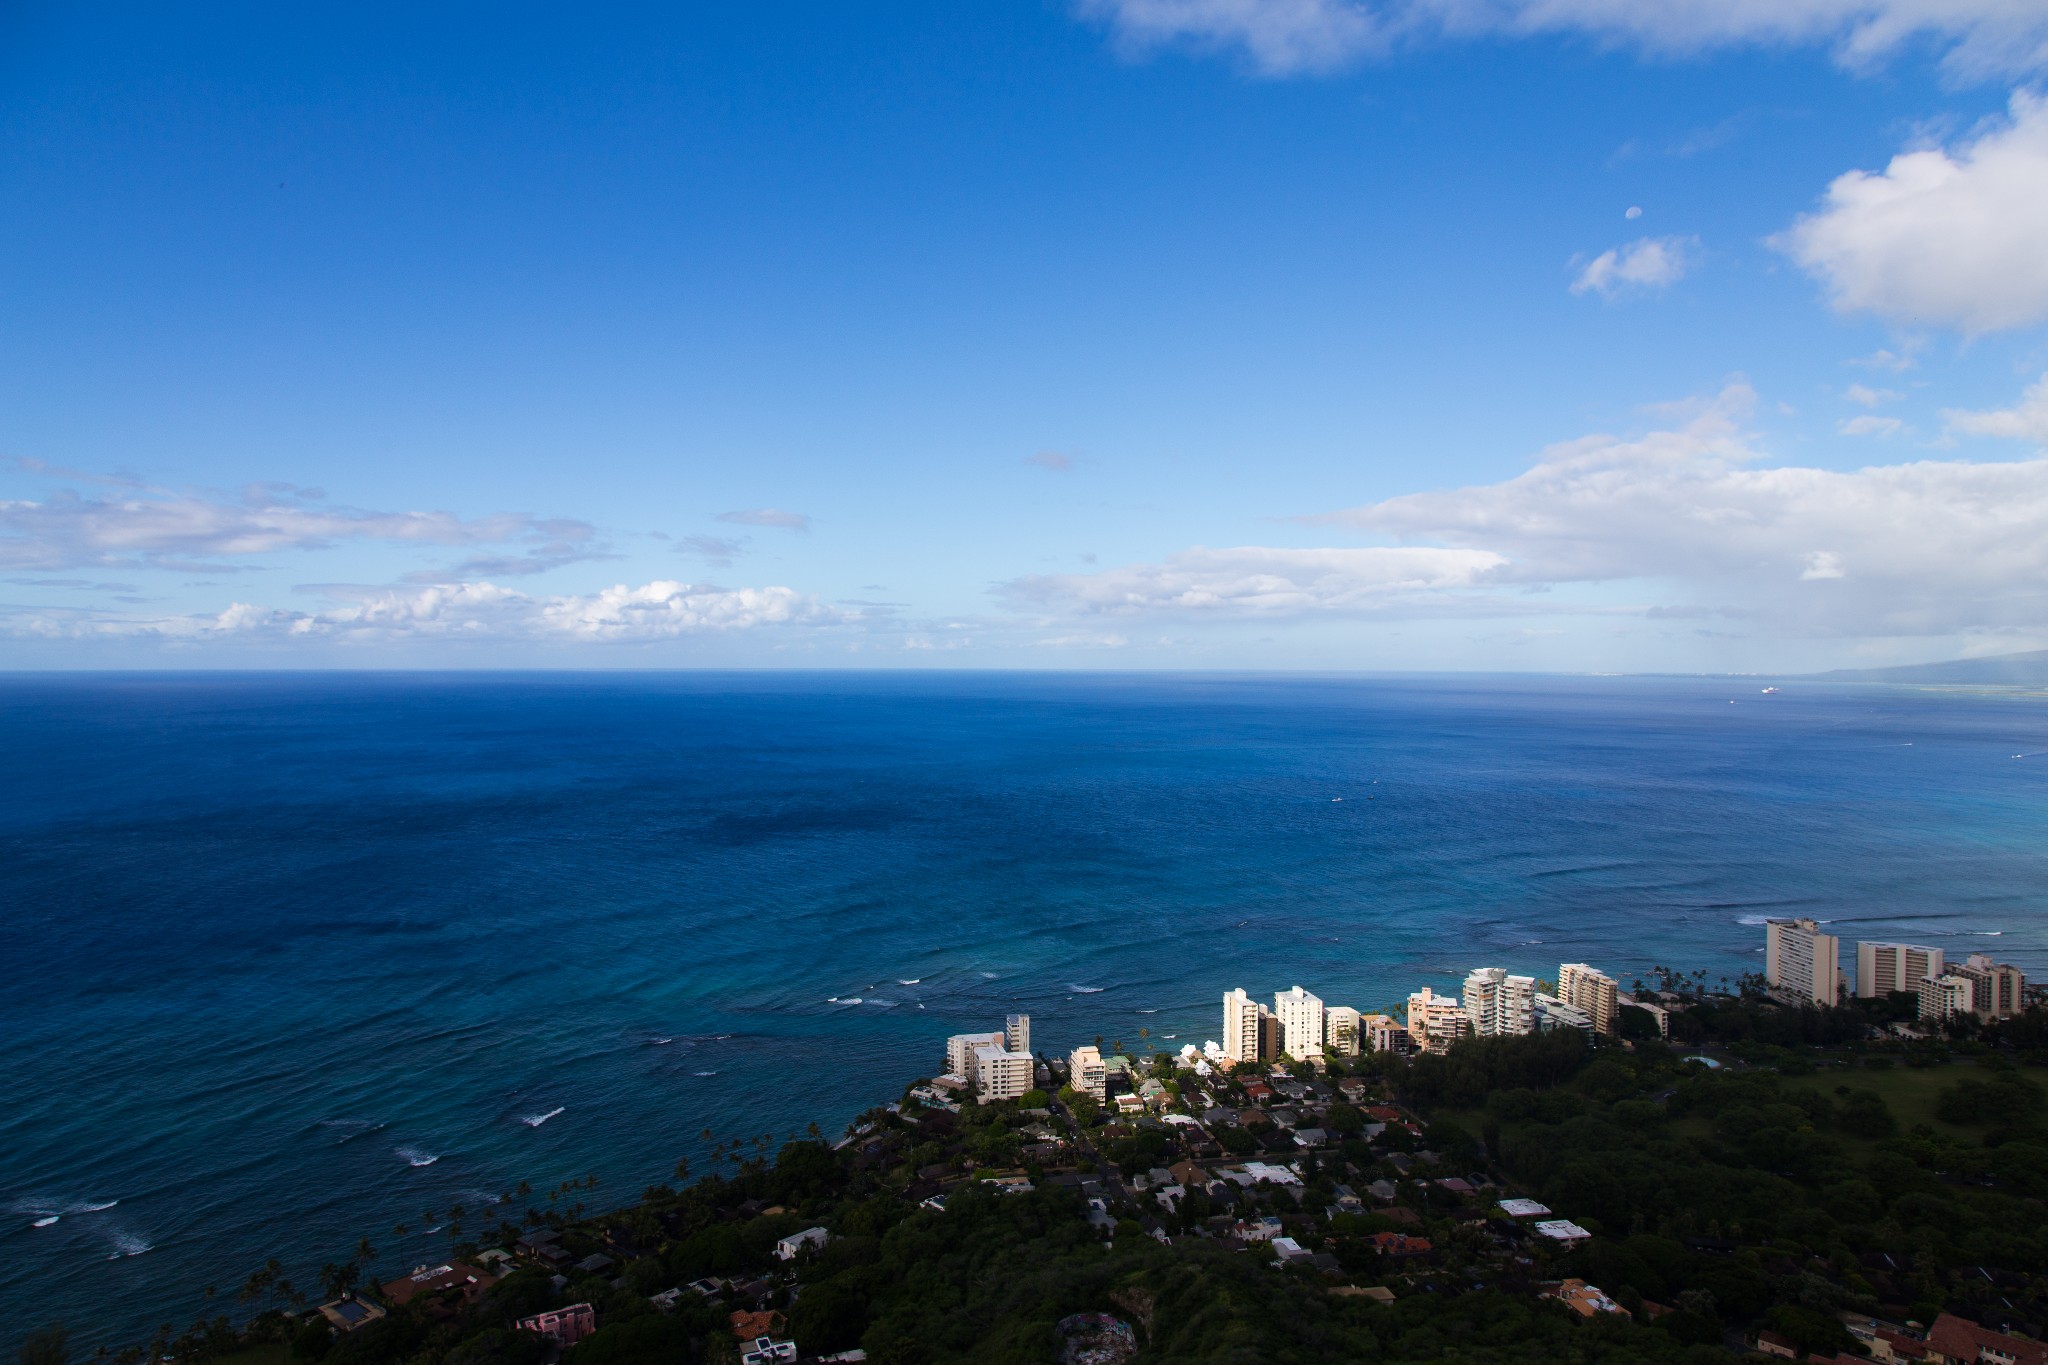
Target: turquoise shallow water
{"points": [[291, 959]]}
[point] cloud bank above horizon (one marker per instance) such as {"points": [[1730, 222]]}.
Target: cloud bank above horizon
{"points": [[1978, 39]]}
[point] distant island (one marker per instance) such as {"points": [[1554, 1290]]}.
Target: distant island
{"points": [[1791, 1164], [2007, 670]]}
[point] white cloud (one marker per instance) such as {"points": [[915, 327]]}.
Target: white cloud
{"points": [[1287, 37], [184, 530], [1253, 580], [768, 516], [1279, 37], [661, 610], [1685, 523], [2025, 421], [1929, 547], [1054, 460], [1102, 641], [1864, 396], [1822, 564], [1871, 425], [1899, 361], [1944, 237], [1648, 263]]}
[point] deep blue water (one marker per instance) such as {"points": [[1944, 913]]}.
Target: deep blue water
{"points": [[271, 940]]}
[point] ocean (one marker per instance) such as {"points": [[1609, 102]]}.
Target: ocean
{"points": [[295, 959]]}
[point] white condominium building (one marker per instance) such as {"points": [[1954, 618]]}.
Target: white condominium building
{"points": [[1250, 1032], [1086, 1073], [1499, 1004], [1343, 1031], [1000, 1074], [1592, 993], [1801, 964], [1017, 1032], [960, 1049], [1301, 1023], [1944, 997], [1882, 968]]}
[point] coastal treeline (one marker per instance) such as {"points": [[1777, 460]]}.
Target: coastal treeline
{"points": [[1822, 1168]]}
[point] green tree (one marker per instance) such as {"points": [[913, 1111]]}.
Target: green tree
{"points": [[46, 1346]]}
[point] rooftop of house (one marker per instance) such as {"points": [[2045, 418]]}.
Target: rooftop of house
{"points": [[1961, 1339], [434, 1279]]}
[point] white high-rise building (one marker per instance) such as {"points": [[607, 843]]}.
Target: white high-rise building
{"points": [[960, 1051], [1499, 1004], [1592, 993], [1882, 968], [1301, 1023], [1086, 1073], [1000, 1074], [1801, 964], [1249, 1029], [1343, 1031], [1017, 1033]]}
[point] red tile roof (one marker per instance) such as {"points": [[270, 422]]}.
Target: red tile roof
{"points": [[1962, 1340]]}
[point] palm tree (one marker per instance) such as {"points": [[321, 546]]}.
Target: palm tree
{"points": [[364, 1251], [682, 1170]]}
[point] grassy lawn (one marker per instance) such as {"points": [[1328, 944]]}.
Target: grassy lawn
{"points": [[1910, 1092]]}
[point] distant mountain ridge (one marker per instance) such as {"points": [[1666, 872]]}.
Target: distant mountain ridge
{"points": [[2024, 670]]}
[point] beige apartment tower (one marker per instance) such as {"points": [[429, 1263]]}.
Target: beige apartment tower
{"points": [[1250, 1032], [1998, 986], [1500, 1005], [1086, 1073], [1436, 1021], [1801, 964], [1343, 1031], [961, 1047], [1883, 968], [1590, 992]]}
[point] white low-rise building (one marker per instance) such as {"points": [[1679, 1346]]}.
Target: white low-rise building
{"points": [[789, 1247], [1554, 1013]]}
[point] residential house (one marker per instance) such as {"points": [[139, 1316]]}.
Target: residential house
{"points": [[434, 1279], [812, 1238], [1958, 1341], [1586, 1300], [565, 1326]]}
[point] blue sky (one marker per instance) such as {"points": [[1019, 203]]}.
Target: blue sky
{"points": [[1128, 333]]}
